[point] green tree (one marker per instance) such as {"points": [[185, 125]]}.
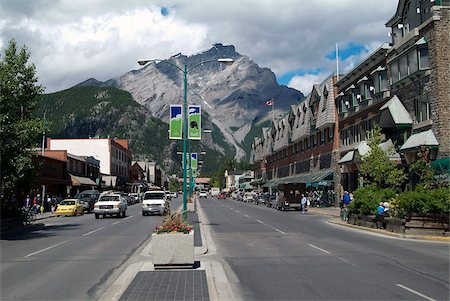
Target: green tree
{"points": [[421, 171], [377, 169], [174, 185], [19, 130]]}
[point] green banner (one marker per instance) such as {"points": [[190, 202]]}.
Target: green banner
{"points": [[194, 173], [176, 122], [194, 161], [194, 122]]}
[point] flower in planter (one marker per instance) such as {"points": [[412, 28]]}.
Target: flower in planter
{"points": [[173, 223]]}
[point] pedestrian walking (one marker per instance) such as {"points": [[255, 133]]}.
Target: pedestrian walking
{"points": [[303, 203], [27, 202]]}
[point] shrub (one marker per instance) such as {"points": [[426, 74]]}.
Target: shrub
{"points": [[173, 223], [366, 199], [424, 202]]}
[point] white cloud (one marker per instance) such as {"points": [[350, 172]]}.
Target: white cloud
{"points": [[71, 41], [304, 83]]}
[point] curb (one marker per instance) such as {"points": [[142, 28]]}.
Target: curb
{"points": [[384, 232]]}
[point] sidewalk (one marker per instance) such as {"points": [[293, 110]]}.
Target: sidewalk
{"points": [[334, 213]]}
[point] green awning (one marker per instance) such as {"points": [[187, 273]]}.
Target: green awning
{"points": [[426, 138], [394, 114], [347, 158]]}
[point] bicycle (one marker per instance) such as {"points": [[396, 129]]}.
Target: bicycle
{"points": [[344, 213], [28, 216]]}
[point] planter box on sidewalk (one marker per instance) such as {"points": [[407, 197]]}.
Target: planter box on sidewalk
{"points": [[173, 249]]}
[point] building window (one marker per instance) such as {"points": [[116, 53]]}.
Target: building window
{"points": [[424, 62], [308, 143], [422, 109], [325, 98], [394, 72], [302, 146]]}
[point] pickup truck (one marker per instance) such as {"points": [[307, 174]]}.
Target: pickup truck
{"points": [[111, 204], [155, 201]]}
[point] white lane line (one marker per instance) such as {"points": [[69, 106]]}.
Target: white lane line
{"points": [[246, 215], [128, 217], [346, 261], [415, 292], [315, 247], [45, 249], [275, 229], [116, 223], [85, 234], [237, 211]]}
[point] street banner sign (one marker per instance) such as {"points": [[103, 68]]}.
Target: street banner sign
{"points": [[194, 173], [176, 122], [194, 161], [194, 122]]}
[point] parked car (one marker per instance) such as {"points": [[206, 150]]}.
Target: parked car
{"points": [[203, 194], [155, 202], [69, 207], [222, 195], [261, 199], [134, 197], [248, 197], [111, 204], [88, 197]]}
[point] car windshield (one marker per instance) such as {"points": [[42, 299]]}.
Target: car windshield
{"points": [[154, 196], [82, 195], [109, 198], [67, 202]]}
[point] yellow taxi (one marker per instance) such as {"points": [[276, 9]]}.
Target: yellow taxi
{"points": [[69, 207]]}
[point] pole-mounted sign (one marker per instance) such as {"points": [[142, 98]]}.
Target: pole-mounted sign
{"points": [[176, 122], [194, 122], [194, 161]]}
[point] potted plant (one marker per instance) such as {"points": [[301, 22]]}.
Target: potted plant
{"points": [[173, 242]]}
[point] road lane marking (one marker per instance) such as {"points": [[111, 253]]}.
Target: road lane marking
{"points": [[246, 215], [346, 261], [45, 249], [315, 247], [86, 234], [275, 229], [128, 217], [116, 223], [237, 211], [415, 292]]}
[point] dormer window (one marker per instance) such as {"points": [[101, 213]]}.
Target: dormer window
{"points": [[325, 98]]}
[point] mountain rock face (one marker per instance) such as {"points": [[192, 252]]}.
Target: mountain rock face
{"points": [[233, 96]]}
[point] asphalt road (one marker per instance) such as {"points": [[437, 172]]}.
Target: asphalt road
{"points": [[70, 257], [274, 255]]}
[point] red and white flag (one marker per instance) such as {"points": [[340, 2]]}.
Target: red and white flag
{"points": [[269, 102]]}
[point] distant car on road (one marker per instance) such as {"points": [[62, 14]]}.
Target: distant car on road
{"points": [[88, 197], [69, 207], [155, 201], [222, 196], [111, 204], [203, 194]]}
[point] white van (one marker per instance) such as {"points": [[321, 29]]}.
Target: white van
{"points": [[155, 202]]}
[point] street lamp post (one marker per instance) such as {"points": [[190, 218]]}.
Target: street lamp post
{"points": [[185, 70]]}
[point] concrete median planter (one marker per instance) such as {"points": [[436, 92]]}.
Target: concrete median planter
{"points": [[173, 249]]}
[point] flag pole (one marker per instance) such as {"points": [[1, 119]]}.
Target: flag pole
{"points": [[337, 62]]}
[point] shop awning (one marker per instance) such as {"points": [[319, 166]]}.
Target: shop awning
{"points": [[81, 181], [271, 183], [426, 138], [347, 158], [394, 114]]}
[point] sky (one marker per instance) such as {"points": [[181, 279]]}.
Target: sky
{"points": [[72, 40]]}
